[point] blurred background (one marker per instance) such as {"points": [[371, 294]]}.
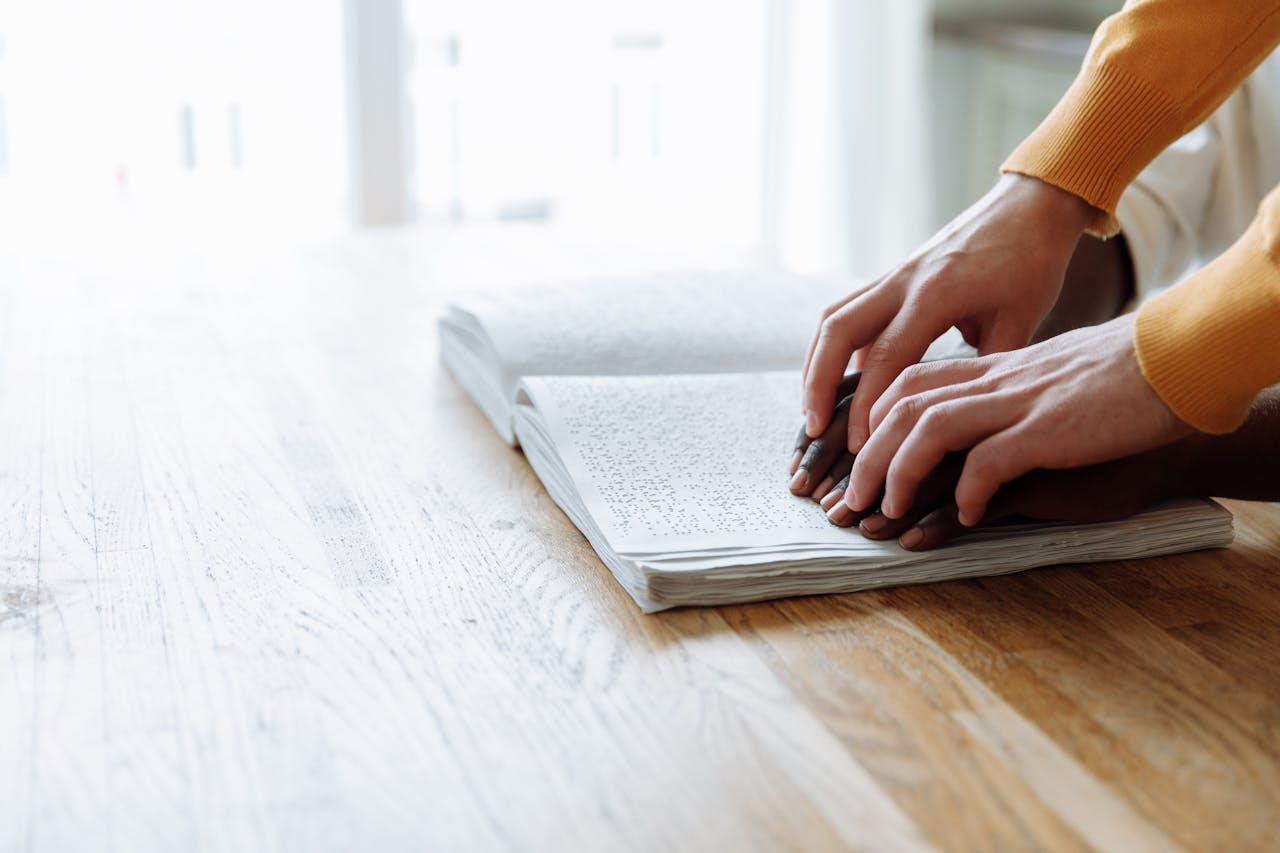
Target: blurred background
{"points": [[819, 135]]}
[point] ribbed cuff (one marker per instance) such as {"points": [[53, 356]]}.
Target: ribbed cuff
{"points": [[1105, 130], [1210, 344]]}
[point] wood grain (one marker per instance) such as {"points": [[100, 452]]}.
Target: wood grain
{"points": [[268, 581]]}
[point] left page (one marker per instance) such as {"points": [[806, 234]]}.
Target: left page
{"points": [[703, 322], [691, 322]]}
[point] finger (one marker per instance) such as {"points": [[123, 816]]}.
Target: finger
{"points": [[879, 526], [843, 332], [821, 453], [847, 386], [935, 491], [937, 528], [831, 497], [844, 391], [943, 524], [991, 463], [841, 515], [813, 341], [826, 313], [859, 358], [839, 473], [956, 424], [919, 378], [960, 421], [901, 345], [802, 444]]}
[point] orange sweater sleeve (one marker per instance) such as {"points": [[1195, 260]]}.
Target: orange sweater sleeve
{"points": [[1210, 344], [1154, 70]]}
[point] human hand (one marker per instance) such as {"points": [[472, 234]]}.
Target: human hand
{"points": [[1074, 400], [820, 468], [1103, 492], [994, 273], [819, 463]]}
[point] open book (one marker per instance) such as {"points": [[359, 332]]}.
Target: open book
{"points": [[659, 413]]}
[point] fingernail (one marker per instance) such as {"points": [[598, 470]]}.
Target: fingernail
{"points": [[832, 498], [811, 424], [840, 515], [874, 523], [890, 508], [800, 480], [912, 538], [966, 519], [795, 461], [823, 488], [854, 503]]}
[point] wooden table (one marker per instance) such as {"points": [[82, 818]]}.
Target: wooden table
{"points": [[269, 581]]}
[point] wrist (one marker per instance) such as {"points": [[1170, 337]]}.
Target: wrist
{"points": [[1051, 208]]}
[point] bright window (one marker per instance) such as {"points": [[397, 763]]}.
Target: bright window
{"points": [[638, 121], [188, 117]]}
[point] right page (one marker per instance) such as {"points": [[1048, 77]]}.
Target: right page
{"points": [[687, 463]]}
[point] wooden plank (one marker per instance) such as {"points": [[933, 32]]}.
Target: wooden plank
{"points": [[71, 796], [22, 600]]}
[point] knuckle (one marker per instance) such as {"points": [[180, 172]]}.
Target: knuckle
{"points": [[933, 421], [979, 470], [885, 353], [929, 288], [880, 410], [902, 474], [992, 464], [913, 375], [908, 409], [830, 326]]}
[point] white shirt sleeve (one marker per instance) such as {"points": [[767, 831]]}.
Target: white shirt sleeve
{"points": [[1199, 195]]}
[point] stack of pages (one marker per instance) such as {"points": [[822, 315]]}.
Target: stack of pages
{"points": [[660, 414]]}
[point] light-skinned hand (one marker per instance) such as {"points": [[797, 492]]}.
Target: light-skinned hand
{"points": [[994, 272], [1074, 400]]}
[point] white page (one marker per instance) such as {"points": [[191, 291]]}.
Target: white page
{"points": [[677, 322], [691, 322], [604, 447], [672, 464]]}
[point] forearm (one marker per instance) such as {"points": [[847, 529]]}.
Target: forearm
{"points": [[1154, 70]]}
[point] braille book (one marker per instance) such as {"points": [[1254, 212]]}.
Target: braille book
{"points": [[660, 413]]}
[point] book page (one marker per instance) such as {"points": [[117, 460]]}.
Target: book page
{"points": [[674, 464], [693, 322]]}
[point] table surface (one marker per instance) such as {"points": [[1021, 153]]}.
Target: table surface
{"points": [[269, 581]]}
